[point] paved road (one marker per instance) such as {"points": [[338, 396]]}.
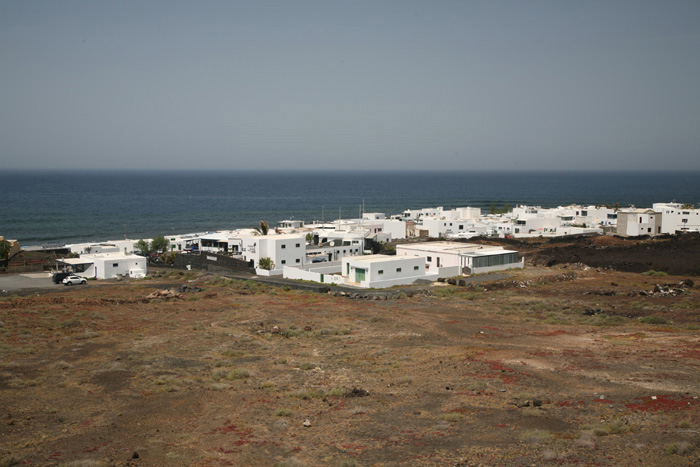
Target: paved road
{"points": [[24, 284]]}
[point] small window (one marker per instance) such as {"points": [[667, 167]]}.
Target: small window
{"points": [[298, 245], [430, 259], [381, 271], [398, 269], [284, 261], [284, 246], [415, 268], [298, 260]]}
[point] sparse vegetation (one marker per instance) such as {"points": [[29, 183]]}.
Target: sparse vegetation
{"points": [[613, 428], [653, 273], [680, 448], [653, 320], [234, 375], [452, 417]]}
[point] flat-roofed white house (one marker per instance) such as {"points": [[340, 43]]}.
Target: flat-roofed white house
{"points": [[215, 242], [184, 242], [454, 258], [87, 248], [291, 224], [382, 271], [110, 246], [334, 245], [593, 216], [105, 265]]}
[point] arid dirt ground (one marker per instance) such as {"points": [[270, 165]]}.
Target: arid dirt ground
{"points": [[564, 365]]}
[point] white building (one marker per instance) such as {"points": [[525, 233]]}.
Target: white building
{"points": [[454, 258], [290, 225], [184, 242], [105, 265], [382, 271], [87, 248], [634, 222], [448, 228], [440, 213], [216, 242], [283, 250], [676, 217], [595, 216], [335, 244], [395, 229]]}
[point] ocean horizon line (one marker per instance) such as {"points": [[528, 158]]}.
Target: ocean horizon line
{"points": [[342, 172]]}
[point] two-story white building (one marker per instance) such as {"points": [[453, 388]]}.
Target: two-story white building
{"points": [[676, 217], [595, 216], [283, 250], [635, 222]]}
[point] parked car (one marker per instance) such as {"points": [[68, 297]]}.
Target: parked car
{"points": [[73, 279], [59, 276]]}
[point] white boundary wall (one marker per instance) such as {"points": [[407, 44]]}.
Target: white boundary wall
{"points": [[330, 275], [398, 281], [501, 267], [265, 272]]}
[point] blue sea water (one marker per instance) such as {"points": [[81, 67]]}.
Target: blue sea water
{"points": [[42, 207]]}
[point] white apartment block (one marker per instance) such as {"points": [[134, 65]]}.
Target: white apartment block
{"points": [[676, 217]]}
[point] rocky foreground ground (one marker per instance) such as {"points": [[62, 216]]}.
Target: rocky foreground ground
{"points": [[565, 365]]}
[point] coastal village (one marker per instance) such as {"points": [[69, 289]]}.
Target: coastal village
{"points": [[287, 345], [421, 245]]}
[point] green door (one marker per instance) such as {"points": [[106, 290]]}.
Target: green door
{"points": [[359, 275]]}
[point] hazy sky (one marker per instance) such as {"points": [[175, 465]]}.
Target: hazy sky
{"points": [[327, 84]]}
